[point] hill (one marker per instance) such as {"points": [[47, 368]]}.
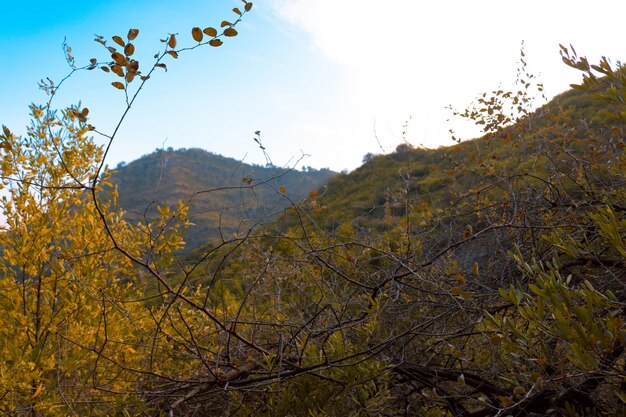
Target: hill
{"points": [[433, 177], [228, 196], [483, 279]]}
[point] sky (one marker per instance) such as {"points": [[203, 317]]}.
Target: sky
{"points": [[324, 81]]}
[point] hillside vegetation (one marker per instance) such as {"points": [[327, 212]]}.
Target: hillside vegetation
{"points": [[483, 279], [226, 196], [385, 184]]}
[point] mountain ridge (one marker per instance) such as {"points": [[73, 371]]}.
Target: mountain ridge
{"points": [[226, 196]]}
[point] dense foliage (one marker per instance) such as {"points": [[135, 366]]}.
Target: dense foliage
{"points": [[484, 279]]}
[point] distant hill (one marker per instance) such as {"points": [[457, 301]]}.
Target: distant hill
{"points": [[228, 196]]}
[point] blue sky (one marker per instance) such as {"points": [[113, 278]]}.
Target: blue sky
{"points": [[333, 79]]}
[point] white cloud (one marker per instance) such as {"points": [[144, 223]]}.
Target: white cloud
{"points": [[409, 57]]}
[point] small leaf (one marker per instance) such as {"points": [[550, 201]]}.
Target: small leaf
{"points": [[129, 49], [313, 194], [236, 10], [467, 233], [225, 23], [105, 69], [117, 70], [456, 291], [173, 54], [131, 349], [210, 31], [119, 58], [248, 7], [38, 390], [93, 61], [161, 65], [215, 42], [133, 65], [172, 42], [461, 379], [230, 32], [196, 34], [118, 85], [282, 189], [129, 77], [132, 34], [118, 41]]}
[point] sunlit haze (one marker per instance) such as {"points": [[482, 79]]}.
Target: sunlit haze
{"points": [[331, 79]]}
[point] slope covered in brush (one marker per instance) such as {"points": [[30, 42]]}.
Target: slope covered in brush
{"points": [[227, 196]]}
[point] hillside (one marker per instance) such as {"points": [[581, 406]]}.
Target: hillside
{"points": [[433, 177], [228, 196], [483, 279]]}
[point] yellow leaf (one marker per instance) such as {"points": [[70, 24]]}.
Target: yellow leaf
{"points": [[38, 390], [313, 194], [196, 34], [132, 34], [475, 268], [172, 42], [117, 84], [467, 233], [117, 70], [118, 58], [230, 32], [210, 31], [236, 10], [118, 40], [248, 6], [130, 349], [215, 42], [460, 278], [129, 49], [282, 189], [225, 23], [174, 54]]}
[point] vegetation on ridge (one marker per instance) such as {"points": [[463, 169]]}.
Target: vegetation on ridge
{"points": [[486, 279], [226, 196]]}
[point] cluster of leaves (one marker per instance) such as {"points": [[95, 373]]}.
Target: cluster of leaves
{"points": [[486, 279]]}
